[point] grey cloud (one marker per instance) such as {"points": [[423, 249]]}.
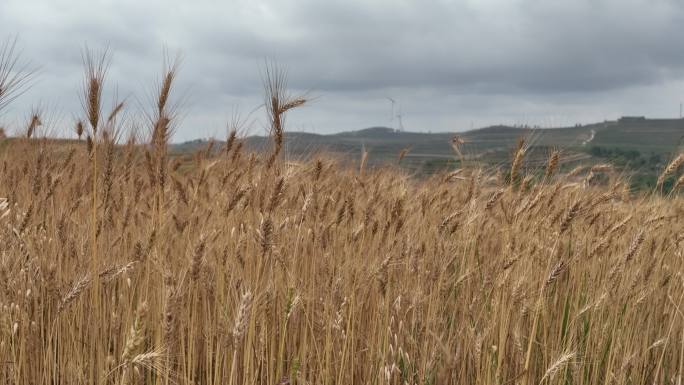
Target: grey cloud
{"points": [[450, 62]]}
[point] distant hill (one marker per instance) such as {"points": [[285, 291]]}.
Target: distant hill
{"points": [[638, 147], [489, 145]]}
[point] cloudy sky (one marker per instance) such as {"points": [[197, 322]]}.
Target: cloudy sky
{"points": [[450, 65]]}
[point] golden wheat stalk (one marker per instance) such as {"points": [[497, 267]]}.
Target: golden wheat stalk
{"points": [[671, 168]]}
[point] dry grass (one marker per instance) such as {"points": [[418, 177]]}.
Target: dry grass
{"points": [[15, 76], [245, 269]]}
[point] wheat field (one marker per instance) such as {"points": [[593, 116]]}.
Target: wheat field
{"points": [[122, 264]]}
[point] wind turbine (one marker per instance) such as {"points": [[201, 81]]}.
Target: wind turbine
{"points": [[401, 124], [392, 112]]}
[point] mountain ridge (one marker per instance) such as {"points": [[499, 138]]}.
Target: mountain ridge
{"points": [[656, 135]]}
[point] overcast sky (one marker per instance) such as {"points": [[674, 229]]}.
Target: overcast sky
{"points": [[450, 65]]}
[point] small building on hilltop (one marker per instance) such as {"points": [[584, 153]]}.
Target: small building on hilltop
{"points": [[631, 119]]}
